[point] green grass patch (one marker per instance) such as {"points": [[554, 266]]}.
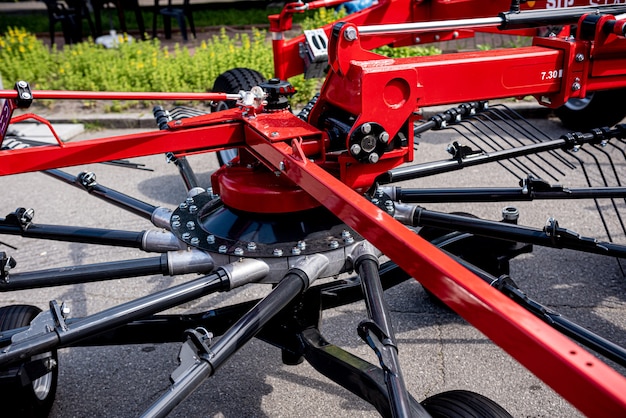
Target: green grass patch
{"points": [[145, 66]]}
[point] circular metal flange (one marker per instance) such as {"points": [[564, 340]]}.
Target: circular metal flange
{"points": [[206, 223], [368, 142]]}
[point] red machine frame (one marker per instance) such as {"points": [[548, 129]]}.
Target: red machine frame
{"points": [[387, 92]]}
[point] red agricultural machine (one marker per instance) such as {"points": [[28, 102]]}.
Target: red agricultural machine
{"points": [[309, 205]]}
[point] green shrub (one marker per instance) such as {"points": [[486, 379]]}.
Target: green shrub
{"points": [[144, 66]]}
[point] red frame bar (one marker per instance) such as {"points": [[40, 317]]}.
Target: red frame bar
{"points": [[590, 385]]}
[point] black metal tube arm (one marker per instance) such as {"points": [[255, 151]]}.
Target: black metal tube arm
{"points": [[169, 264], [460, 161], [39, 338], [551, 236], [205, 364], [502, 194], [379, 334], [87, 182]]}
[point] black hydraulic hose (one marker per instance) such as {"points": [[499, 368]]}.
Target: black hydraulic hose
{"points": [[185, 170], [114, 197]]}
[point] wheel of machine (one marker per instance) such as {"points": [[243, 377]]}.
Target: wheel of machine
{"points": [[233, 81], [463, 404], [33, 399], [600, 108]]}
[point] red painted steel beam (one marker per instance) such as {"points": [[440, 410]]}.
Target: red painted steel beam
{"points": [[586, 382], [190, 140], [106, 95]]}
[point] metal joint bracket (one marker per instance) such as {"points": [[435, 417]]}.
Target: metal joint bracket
{"points": [[378, 341], [192, 352], [44, 323]]}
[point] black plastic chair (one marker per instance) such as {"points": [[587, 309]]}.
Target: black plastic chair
{"points": [[70, 15], [120, 5], [180, 14]]}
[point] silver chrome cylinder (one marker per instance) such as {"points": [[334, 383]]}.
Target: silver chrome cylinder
{"points": [[189, 261], [245, 270], [161, 217], [429, 26], [160, 241]]}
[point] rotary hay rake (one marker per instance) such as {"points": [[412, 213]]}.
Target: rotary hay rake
{"points": [[311, 197]]}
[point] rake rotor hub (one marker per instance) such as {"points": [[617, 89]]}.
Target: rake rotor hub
{"points": [[206, 223]]}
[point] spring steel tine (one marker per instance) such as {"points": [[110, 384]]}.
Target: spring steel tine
{"points": [[598, 208], [533, 137], [471, 141], [511, 144], [517, 129], [523, 169], [623, 155], [610, 161]]}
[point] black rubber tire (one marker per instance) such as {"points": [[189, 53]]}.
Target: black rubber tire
{"points": [[35, 399], [233, 81], [598, 109], [463, 404]]}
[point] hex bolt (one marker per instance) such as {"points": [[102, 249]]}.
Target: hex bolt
{"points": [[189, 201], [373, 158], [193, 209], [65, 310], [576, 86], [350, 34], [210, 239], [175, 224], [580, 57], [186, 236], [380, 193], [175, 218], [334, 244], [183, 205], [238, 251], [345, 233], [383, 137], [366, 128], [277, 252], [195, 241], [191, 225], [302, 245], [348, 240], [251, 246], [296, 251], [355, 149], [222, 249], [375, 201]]}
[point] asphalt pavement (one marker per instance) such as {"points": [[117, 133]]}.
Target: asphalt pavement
{"points": [[438, 350]]}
